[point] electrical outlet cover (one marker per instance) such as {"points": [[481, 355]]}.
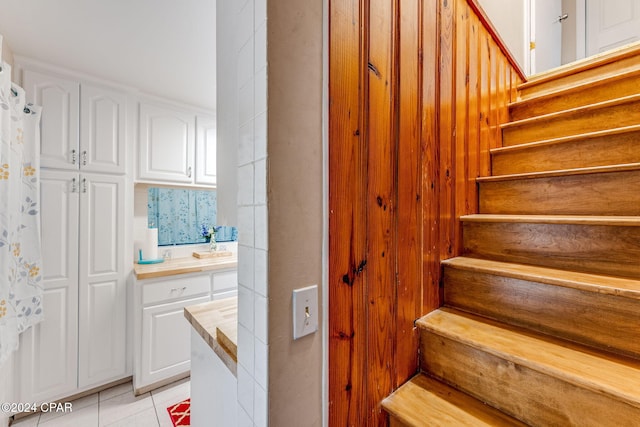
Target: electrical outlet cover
{"points": [[305, 311]]}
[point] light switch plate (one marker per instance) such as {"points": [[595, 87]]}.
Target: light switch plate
{"points": [[305, 311]]}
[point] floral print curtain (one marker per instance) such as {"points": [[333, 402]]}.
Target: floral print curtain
{"points": [[20, 251], [179, 214]]}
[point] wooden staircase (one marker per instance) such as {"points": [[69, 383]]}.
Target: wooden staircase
{"points": [[541, 317]]}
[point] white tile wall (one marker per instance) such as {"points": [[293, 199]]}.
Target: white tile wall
{"points": [[251, 41]]}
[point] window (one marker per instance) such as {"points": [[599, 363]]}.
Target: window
{"points": [[179, 214]]}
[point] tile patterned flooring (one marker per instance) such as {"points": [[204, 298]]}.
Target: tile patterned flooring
{"points": [[116, 407]]}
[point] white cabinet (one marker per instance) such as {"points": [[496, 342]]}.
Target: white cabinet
{"points": [[48, 354], [175, 145], [81, 343], [205, 150], [161, 333], [83, 126], [167, 139]]}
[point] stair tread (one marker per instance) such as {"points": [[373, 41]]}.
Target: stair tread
{"points": [[572, 111], [558, 173], [564, 90], [599, 372], [571, 138], [626, 221], [602, 284], [581, 65], [424, 401]]}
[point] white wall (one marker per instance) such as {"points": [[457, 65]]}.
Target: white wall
{"points": [[509, 17], [242, 25]]}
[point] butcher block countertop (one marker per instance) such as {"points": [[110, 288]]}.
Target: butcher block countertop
{"points": [[183, 265], [217, 323]]}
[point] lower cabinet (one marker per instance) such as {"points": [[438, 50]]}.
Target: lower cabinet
{"points": [[161, 338]]}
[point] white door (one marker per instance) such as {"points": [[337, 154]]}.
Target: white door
{"points": [[546, 34], [167, 138], [59, 124], [48, 351], [611, 23], [102, 130], [205, 150], [102, 293]]}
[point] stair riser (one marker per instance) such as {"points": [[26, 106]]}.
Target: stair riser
{"points": [[564, 101], [608, 70], [612, 193], [537, 398], [599, 249], [590, 318], [602, 151], [620, 115]]}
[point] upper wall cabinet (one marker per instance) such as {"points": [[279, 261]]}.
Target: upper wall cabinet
{"points": [[176, 146], [205, 150], [167, 138], [83, 126]]}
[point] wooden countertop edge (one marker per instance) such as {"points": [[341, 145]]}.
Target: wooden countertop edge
{"points": [[228, 357], [205, 265]]}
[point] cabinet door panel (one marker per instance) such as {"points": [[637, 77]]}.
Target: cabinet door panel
{"points": [[165, 341], [206, 150], [48, 351], [102, 293], [166, 144], [59, 124], [102, 345], [102, 134]]}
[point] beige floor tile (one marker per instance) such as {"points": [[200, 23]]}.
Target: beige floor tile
{"points": [[85, 417], [116, 391], [77, 404], [123, 406], [146, 418]]}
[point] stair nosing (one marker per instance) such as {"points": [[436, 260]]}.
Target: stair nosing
{"points": [[588, 282], [560, 173], [533, 361], [565, 139], [576, 88], [572, 111], [425, 383], [619, 221], [581, 65]]}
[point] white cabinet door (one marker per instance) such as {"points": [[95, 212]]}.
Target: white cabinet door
{"points": [[102, 130], [59, 124], [165, 349], [102, 293], [167, 138], [48, 351], [205, 150]]}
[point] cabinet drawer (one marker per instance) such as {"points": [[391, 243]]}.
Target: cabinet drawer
{"points": [[225, 280], [167, 290]]}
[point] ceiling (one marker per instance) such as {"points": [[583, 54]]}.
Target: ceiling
{"points": [[162, 47]]}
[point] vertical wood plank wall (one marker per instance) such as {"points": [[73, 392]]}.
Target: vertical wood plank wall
{"points": [[417, 90]]}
